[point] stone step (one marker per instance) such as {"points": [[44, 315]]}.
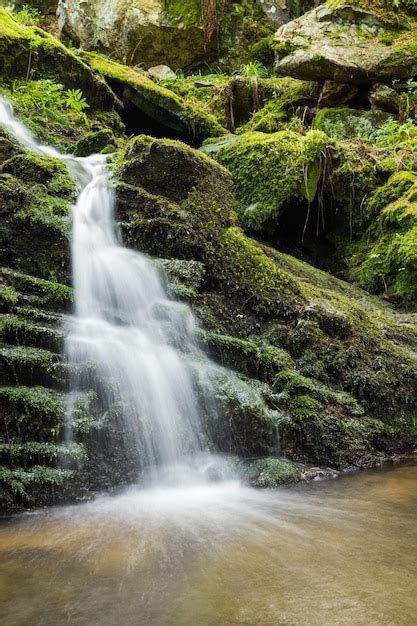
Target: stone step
{"points": [[17, 330], [31, 453]]}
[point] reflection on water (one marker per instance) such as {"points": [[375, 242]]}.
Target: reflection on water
{"points": [[330, 553]]}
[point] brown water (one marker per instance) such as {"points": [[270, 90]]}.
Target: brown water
{"points": [[329, 553]]}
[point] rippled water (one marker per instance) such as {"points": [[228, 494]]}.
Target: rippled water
{"points": [[333, 552]]}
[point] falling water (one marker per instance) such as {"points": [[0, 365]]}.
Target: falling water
{"points": [[124, 323]]}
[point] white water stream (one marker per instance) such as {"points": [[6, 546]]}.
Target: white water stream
{"points": [[125, 325]]}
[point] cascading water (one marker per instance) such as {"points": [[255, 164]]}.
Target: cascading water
{"points": [[125, 325]]}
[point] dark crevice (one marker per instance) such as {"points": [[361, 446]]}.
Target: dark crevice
{"points": [[303, 233], [163, 124]]}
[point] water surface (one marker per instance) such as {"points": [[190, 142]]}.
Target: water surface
{"points": [[333, 552]]}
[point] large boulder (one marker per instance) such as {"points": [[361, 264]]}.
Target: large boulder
{"points": [[349, 43], [146, 31]]}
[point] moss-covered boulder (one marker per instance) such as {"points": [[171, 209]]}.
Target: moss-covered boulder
{"points": [[272, 171], [31, 52], [384, 259], [148, 32], [152, 107], [349, 42], [36, 194], [344, 123], [271, 472]]}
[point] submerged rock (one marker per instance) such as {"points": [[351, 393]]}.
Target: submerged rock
{"points": [[348, 42]]}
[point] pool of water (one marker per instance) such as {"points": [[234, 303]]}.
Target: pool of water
{"points": [[333, 552]]}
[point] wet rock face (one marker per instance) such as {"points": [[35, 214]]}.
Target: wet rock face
{"points": [[137, 31], [345, 43]]}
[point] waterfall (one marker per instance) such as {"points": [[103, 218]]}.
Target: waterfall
{"points": [[125, 325]]}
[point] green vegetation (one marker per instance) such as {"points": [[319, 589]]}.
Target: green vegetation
{"points": [[155, 100], [384, 259], [269, 171], [270, 472]]}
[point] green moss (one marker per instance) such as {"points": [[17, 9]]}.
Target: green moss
{"points": [[94, 142], [39, 452], [183, 12], [210, 99], [155, 100], [344, 123], [384, 259], [250, 276], [44, 292], [20, 330], [251, 424], [28, 402], [22, 486], [269, 171], [324, 424], [256, 360], [20, 355], [283, 98], [34, 168], [271, 472], [36, 194]]}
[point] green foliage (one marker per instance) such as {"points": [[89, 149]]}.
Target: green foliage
{"points": [[20, 482], [40, 451], [253, 69], [27, 15], [53, 113], [393, 133], [75, 100]]}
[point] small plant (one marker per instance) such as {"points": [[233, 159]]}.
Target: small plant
{"points": [[28, 16], [253, 69], [76, 101]]}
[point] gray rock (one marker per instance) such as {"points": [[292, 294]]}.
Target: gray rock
{"points": [[385, 99], [333, 93], [347, 44], [162, 72]]}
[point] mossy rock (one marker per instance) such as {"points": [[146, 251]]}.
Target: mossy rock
{"points": [[272, 171], [94, 142], [31, 51], [384, 258], [270, 472], [289, 97], [36, 194], [160, 104], [344, 123]]}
